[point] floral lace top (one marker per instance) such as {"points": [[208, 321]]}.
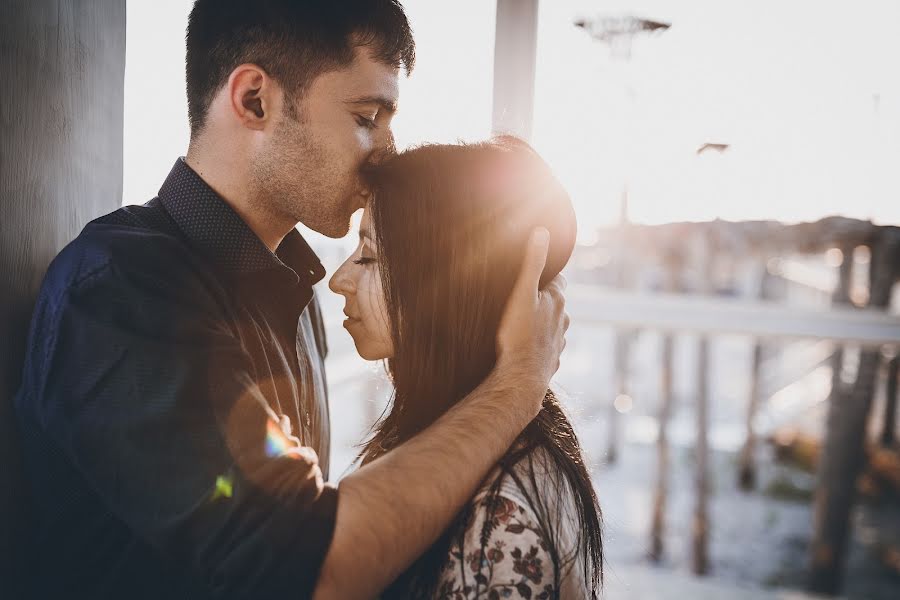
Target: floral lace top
{"points": [[516, 561]]}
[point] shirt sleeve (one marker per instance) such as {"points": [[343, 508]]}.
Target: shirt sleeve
{"points": [[146, 389], [513, 562]]}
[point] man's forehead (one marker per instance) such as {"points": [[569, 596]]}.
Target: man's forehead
{"points": [[368, 77]]}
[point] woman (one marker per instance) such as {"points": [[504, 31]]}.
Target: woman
{"points": [[441, 243]]}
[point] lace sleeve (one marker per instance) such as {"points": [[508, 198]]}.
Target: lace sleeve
{"points": [[513, 563]]}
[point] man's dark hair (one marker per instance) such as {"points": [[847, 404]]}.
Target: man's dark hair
{"points": [[294, 41]]}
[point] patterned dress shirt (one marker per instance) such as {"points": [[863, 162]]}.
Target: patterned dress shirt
{"points": [[173, 409]]}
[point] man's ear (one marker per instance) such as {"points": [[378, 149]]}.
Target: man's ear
{"points": [[250, 94]]}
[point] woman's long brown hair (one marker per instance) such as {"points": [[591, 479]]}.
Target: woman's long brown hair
{"points": [[451, 223]]}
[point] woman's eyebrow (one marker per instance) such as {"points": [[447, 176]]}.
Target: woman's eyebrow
{"points": [[365, 234]]}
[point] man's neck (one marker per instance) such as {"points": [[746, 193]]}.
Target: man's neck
{"points": [[230, 178]]}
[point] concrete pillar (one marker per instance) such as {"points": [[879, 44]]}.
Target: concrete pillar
{"points": [[62, 65], [515, 52]]}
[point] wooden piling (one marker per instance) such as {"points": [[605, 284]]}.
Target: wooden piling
{"points": [[843, 449], [658, 523], [888, 428], [700, 525], [747, 468]]}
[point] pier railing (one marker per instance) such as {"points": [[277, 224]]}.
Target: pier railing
{"points": [[689, 256]]}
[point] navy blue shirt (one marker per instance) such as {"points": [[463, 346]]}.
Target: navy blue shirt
{"points": [[173, 408]]}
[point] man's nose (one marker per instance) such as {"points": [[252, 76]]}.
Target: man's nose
{"points": [[384, 143], [390, 145], [380, 154]]}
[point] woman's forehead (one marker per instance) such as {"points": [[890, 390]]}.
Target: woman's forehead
{"points": [[366, 231]]}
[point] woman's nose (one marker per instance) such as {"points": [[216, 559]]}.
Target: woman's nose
{"points": [[341, 282]]}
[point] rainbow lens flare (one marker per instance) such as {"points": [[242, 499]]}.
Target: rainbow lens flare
{"points": [[277, 442], [224, 487]]}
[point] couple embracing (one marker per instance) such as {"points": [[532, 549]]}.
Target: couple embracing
{"points": [[174, 409]]}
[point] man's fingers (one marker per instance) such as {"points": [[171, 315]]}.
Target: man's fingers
{"points": [[555, 298], [556, 288], [561, 281], [533, 265]]}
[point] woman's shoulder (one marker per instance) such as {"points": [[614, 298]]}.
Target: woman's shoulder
{"points": [[503, 550], [519, 520], [533, 478]]}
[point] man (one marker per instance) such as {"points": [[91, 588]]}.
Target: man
{"points": [[173, 405]]}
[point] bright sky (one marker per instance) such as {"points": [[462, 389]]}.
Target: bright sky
{"points": [[805, 92]]}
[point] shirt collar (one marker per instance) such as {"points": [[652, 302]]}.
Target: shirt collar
{"points": [[212, 226]]}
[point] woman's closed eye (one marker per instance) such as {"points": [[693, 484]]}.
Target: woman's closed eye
{"points": [[363, 261]]}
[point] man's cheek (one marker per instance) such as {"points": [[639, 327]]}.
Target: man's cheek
{"points": [[363, 142]]}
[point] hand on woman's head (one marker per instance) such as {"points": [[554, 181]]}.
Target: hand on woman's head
{"points": [[448, 230], [531, 336]]}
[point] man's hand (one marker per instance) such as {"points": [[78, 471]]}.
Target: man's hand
{"points": [[533, 327]]}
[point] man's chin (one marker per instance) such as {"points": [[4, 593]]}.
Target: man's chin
{"points": [[334, 230], [336, 234], [335, 225]]}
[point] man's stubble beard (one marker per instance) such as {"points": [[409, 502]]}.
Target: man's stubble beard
{"points": [[297, 178]]}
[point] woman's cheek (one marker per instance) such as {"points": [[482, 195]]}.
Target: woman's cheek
{"points": [[366, 297], [379, 308]]}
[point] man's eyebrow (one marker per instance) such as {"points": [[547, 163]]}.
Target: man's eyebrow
{"points": [[385, 103]]}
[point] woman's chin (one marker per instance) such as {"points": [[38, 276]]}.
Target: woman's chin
{"points": [[369, 353]]}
